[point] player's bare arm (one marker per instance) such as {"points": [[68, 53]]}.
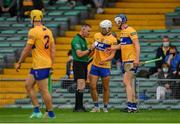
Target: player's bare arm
{"points": [[137, 47], [109, 58], [24, 54], [113, 48]]}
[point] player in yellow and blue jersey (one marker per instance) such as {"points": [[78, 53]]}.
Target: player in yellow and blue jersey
{"points": [[101, 63], [41, 43], [130, 52]]}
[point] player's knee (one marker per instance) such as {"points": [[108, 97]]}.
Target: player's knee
{"points": [[29, 84], [106, 88], [28, 87], [93, 89], [127, 83], [43, 91], [81, 89], [81, 84], [93, 86]]}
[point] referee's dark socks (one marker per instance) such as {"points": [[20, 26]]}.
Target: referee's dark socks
{"points": [[36, 109], [79, 99]]}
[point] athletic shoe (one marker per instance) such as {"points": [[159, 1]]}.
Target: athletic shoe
{"points": [[105, 110], [83, 109], [49, 115], [96, 109], [36, 115], [134, 110], [127, 110]]}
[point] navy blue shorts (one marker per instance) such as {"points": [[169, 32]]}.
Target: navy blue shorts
{"points": [[101, 72], [40, 74]]}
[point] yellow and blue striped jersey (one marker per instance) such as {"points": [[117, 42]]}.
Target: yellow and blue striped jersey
{"points": [[102, 42], [128, 51]]}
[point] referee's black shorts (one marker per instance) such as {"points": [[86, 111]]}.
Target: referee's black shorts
{"points": [[80, 70]]}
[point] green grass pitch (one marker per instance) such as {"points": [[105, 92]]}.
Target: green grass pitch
{"points": [[114, 116]]}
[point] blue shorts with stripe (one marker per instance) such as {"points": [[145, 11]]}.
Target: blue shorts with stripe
{"points": [[101, 72], [40, 74]]}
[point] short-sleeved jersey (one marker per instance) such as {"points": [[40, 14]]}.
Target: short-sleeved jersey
{"points": [[128, 51], [102, 42], [41, 38], [79, 43]]}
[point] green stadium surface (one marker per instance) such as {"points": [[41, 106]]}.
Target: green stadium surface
{"points": [[114, 116]]}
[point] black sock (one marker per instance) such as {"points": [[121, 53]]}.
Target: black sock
{"points": [[81, 98], [77, 100]]}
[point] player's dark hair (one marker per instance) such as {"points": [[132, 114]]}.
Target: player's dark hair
{"points": [[86, 25]]}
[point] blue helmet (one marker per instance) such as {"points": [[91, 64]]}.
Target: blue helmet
{"points": [[121, 18]]}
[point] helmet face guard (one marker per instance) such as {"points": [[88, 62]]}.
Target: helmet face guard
{"points": [[120, 20], [105, 31], [105, 27]]}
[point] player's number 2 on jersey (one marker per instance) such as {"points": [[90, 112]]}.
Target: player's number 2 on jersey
{"points": [[46, 38]]}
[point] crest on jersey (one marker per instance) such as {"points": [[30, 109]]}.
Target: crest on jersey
{"points": [[133, 33], [101, 46]]}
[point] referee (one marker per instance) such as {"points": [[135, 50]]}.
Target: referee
{"points": [[80, 53]]}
